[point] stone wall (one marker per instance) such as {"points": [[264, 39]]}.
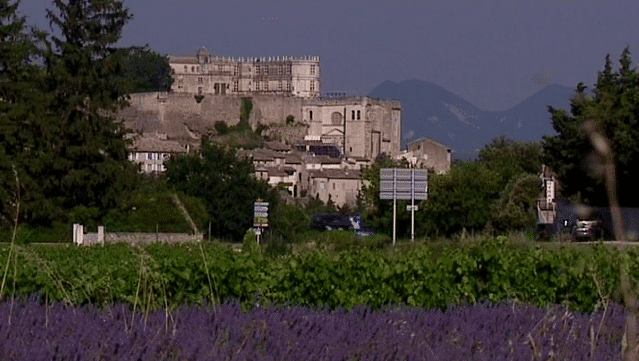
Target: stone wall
{"points": [[142, 238], [178, 113]]}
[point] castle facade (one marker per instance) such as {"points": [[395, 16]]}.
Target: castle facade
{"points": [[219, 75]]}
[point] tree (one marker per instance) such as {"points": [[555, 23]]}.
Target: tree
{"points": [[79, 156], [379, 212], [516, 207], [460, 199], [146, 70], [611, 111], [510, 158], [225, 182], [22, 103]]}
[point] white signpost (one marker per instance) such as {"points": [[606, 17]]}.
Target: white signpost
{"points": [[396, 183]]}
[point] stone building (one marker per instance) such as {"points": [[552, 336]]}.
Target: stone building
{"points": [[150, 153], [219, 75], [427, 153], [360, 126]]}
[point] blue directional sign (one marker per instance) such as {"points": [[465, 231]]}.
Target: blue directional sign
{"points": [[260, 214]]}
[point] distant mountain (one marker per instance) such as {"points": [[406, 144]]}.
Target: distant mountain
{"points": [[431, 111]]}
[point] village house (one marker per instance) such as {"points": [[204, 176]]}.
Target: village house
{"points": [[427, 153], [151, 152]]}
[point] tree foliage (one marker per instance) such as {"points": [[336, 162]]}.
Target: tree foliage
{"points": [[20, 104], [379, 212], [146, 70], [460, 199], [510, 158], [225, 182], [59, 94], [611, 110], [82, 166]]}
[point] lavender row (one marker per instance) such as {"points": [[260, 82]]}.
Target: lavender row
{"points": [[32, 331]]}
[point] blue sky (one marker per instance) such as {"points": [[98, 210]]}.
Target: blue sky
{"points": [[493, 53]]}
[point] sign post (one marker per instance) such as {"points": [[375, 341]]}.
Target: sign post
{"points": [[396, 183], [260, 218]]}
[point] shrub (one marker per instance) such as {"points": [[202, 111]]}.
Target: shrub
{"points": [[221, 127]]}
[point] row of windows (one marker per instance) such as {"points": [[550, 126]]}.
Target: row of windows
{"points": [[148, 156], [155, 167], [259, 69], [279, 69]]}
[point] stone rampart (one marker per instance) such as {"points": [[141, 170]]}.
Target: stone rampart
{"points": [[150, 112]]}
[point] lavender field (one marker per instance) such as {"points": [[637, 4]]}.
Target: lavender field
{"points": [[29, 330]]}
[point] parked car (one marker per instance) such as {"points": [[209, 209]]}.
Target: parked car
{"points": [[588, 229], [335, 220]]}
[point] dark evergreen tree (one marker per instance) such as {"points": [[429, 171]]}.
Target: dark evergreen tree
{"points": [[611, 111], [82, 166], [22, 103]]}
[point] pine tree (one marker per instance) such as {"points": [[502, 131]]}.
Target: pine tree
{"points": [[21, 104], [612, 110], [83, 165]]}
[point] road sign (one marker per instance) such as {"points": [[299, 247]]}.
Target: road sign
{"points": [[260, 214], [412, 208], [396, 183]]}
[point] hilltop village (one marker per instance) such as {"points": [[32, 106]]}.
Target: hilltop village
{"points": [[318, 142]]}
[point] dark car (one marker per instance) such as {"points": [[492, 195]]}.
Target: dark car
{"points": [[335, 220], [588, 229]]}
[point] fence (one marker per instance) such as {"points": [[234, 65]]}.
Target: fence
{"points": [[102, 237]]}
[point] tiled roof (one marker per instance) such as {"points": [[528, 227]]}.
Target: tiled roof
{"points": [[277, 146], [426, 139], [293, 159], [183, 59], [157, 145], [336, 174], [322, 159]]}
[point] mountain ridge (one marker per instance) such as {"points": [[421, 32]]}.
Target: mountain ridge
{"points": [[430, 110]]}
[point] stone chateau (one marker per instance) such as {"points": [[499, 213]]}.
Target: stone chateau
{"points": [[320, 148], [221, 75]]}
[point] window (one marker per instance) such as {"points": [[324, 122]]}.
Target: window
{"points": [[186, 69], [149, 156], [236, 69], [312, 69], [236, 86], [279, 85], [312, 85], [192, 69], [266, 85], [280, 70], [257, 86], [199, 90], [310, 114], [358, 114], [257, 70], [288, 86], [289, 69], [265, 70], [353, 115], [333, 185], [200, 80]]}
